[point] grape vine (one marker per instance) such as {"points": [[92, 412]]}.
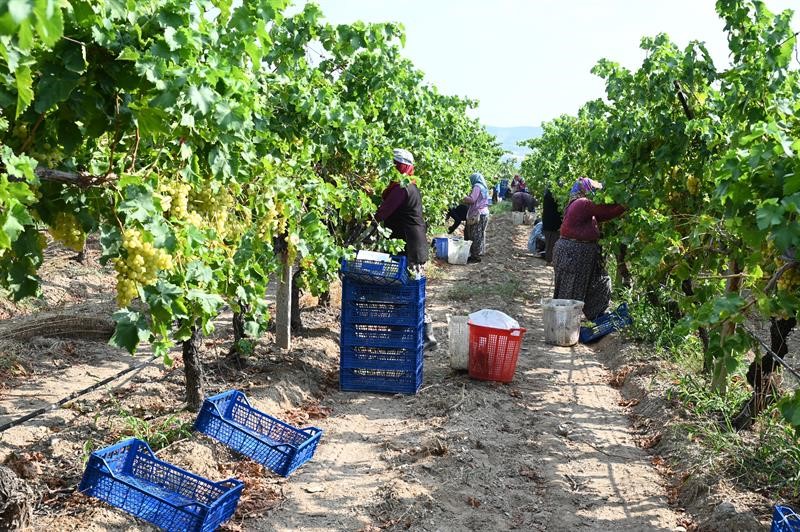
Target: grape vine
{"points": [[706, 159], [195, 136]]}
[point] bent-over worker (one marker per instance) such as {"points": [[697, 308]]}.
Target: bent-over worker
{"points": [[401, 212]]}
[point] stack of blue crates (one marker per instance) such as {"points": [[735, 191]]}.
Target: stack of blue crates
{"points": [[382, 331]]}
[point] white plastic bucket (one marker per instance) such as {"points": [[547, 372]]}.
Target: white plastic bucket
{"points": [[458, 340], [517, 217], [562, 321], [458, 251]]}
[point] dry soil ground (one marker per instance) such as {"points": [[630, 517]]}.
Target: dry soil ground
{"points": [[553, 450]]}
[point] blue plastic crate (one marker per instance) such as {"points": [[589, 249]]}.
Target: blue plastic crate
{"points": [[785, 520], [282, 448], [383, 305], [380, 357], [128, 475], [376, 272], [605, 324], [440, 246], [411, 292], [370, 335], [405, 381], [379, 313]]}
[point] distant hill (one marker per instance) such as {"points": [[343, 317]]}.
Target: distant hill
{"points": [[509, 136]]}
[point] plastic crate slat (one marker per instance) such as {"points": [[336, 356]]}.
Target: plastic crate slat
{"points": [[380, 380], [377, 335], [376, 272], [358, 311], [381, 357], [282, 448], [411, 292]]}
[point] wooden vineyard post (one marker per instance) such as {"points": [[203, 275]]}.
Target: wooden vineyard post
{"points": [[283, 318]]}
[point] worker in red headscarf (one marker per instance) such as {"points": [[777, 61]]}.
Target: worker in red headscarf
{"points": [[401, 212], [517, 185]]}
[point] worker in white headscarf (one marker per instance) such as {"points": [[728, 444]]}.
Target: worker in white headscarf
{"points": [[401, 211]]}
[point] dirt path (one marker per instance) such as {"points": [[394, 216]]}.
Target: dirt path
{"points": [[551, 451]]}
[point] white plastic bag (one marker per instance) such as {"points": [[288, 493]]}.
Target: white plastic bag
{"points": [[494, 319]]}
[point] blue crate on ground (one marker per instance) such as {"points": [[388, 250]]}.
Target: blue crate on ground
{"points": [[380, 357], [371, 335], [406, 381], [128, 475], [383, 305], [785, 520], [376, 272], [440, 246], [282, 448], [605, 324]]}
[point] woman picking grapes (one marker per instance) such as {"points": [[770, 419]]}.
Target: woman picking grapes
{"points": [[580, 271], [477, 217], [401, 212]]}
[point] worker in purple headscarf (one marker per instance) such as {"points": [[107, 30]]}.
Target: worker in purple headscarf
{"points": [[577, 257]]}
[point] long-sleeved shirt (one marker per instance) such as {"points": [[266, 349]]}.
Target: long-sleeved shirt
{"points": [[401, 212], [478, 203], [582, 216], [393, 198]]}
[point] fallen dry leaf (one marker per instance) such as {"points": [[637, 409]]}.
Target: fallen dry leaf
{"points": [[315, 410], [628, 403], [618, 378], [650, 442], [472, 501], [661, 465], [258, 496]]}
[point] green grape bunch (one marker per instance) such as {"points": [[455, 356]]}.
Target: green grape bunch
{"points": [[67, 230], [140, 266], [790, 280], [174, 198], [214, 207]]}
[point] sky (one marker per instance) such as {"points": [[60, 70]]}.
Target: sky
{"points": [[528, 61]]}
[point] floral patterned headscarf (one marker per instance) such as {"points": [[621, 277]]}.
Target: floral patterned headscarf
{"points": [[582, 188]]}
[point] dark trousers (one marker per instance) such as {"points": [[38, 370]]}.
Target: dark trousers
{"points": [[550, 239]]}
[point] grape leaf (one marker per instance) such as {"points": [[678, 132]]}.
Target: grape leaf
{"points": [[132, 329]]}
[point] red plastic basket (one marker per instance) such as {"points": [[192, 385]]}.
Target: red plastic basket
{"points": [[493, 352]]}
